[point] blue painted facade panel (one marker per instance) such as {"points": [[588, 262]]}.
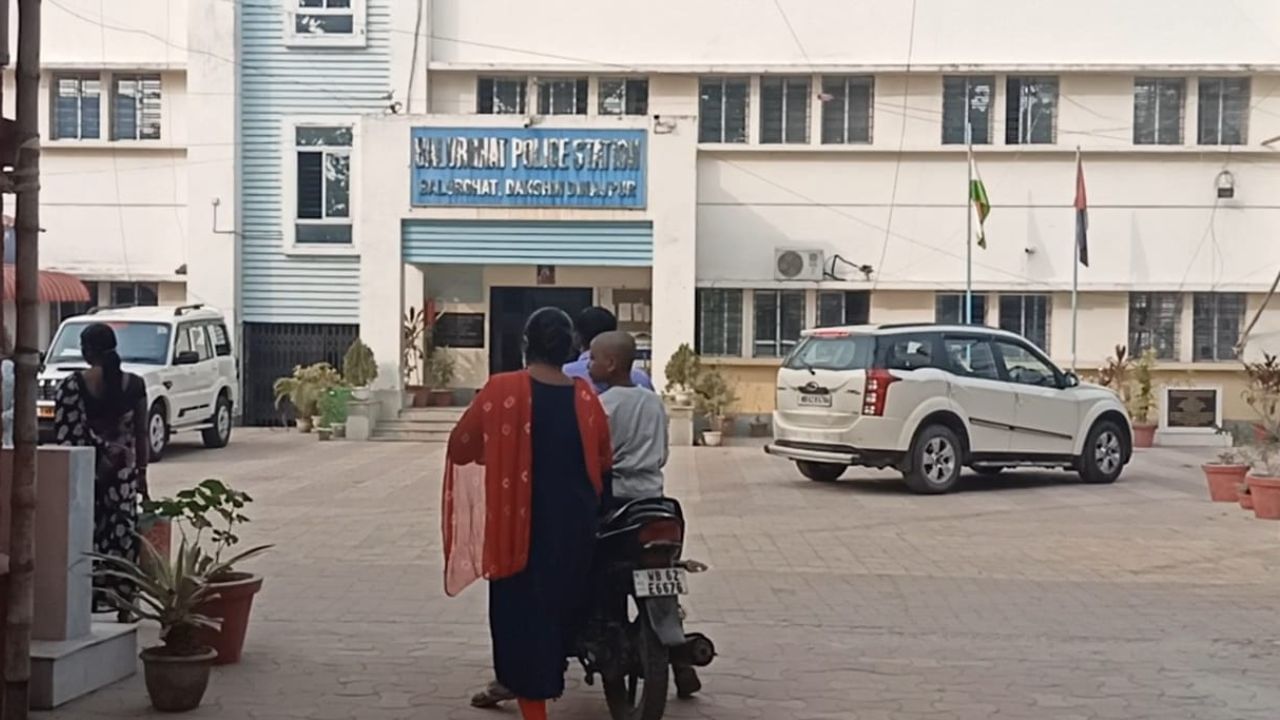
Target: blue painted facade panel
{"points": [[278, 82], [478, 242]]}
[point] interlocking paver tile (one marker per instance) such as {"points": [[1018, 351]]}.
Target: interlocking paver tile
{"points": [[1026, 596]]}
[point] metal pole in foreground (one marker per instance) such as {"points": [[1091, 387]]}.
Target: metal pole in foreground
{"points": [[968, 234], [1075, 280]]}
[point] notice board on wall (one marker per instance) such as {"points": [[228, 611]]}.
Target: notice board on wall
{"points": [[459, 330]]}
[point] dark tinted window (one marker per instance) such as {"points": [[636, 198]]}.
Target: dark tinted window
{"points": [[908, 352], [971, 356], [218, 336]]}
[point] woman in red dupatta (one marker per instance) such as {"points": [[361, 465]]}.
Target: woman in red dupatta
{"points": [[525, 475]]}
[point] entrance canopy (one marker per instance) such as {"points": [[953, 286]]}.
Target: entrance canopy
{"points": [[528, 242], [53, 286]]}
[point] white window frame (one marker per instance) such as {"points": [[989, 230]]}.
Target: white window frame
{"points": [[357, 38], [289, 193], [113, 117], [105, 87], [806, 126]]}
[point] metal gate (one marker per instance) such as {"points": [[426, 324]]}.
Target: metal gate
{"points": [[271, 350]]}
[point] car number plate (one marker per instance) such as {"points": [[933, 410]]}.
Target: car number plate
{"points": [[823, 400], [44, 412], [663, 582]]}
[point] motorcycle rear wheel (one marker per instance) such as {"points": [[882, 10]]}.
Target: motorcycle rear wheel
{"points": [[641, 692]]}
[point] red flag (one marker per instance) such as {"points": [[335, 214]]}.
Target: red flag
{"points": [[1082, 216]]}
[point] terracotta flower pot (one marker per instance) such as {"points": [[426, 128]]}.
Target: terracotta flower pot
{"points": [[420, 394], [176, 683], [1144, 436], [1223, 480], [441, 398], [159, 532], [1265, 493], [1245, 499], [232, 607]]}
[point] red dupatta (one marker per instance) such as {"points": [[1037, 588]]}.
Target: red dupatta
{"points": [[487, 492]]}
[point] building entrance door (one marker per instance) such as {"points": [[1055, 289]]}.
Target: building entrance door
{"points": [[510, 307]]}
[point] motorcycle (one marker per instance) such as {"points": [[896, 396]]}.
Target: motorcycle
{"points": [[635, 629]]}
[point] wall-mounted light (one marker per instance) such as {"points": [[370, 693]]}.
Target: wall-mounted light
{"points": [[1226, 183]]}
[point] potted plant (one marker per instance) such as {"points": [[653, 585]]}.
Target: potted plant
{"points": [[759, 427], [1243, 496], [440, 369], [217, 509], [1225, 474], [413, 353], [1262, 389], [171, 592], [304, 390], [682, 371], [1142, 401], [333, 408], [713, 397], [1264, 475], [359, 369]]}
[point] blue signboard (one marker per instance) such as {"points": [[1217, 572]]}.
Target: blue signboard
{"points": [[528, 167]]}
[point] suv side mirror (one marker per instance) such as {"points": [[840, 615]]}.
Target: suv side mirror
{"points": [[1070, 380], [187, 357]]}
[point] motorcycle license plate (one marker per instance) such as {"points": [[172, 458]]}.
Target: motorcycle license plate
{"points": [[663, 582], [44, 412], [815, 400]]}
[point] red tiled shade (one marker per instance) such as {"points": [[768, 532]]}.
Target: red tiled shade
{"points": [[53, 286]]}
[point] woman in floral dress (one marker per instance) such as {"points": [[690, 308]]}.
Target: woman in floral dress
{"points": [[105, 408]]}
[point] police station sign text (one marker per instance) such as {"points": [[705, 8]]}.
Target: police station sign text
{"points": [[528, 167]]}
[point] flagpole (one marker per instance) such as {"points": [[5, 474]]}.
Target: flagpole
{"points": [[968, 206], [1075, 280]]}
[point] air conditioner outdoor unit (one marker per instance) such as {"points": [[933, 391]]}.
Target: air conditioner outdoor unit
{"points": [[798, 264]]}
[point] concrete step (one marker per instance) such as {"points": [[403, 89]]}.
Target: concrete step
{"points": [[382, 434], [65, 670], [432, 414], [444, 426]]}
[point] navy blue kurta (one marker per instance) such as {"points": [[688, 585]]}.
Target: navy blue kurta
{"points": [[532, 614]]}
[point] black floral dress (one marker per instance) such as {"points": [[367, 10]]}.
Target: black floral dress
{"points": [[82, 420]]}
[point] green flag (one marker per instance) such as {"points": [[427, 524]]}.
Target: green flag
{"points": [[981, 205]]}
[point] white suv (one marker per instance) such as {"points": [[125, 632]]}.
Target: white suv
{"points": [[931, 399], [183, 353]]}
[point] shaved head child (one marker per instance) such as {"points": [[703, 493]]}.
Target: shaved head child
{"points": [[637, 418]]}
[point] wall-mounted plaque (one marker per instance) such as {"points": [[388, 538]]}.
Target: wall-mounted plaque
{"points": [[459, 330], [1192, 408]]}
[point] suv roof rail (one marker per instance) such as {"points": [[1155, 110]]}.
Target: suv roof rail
{"points": [[184, 309], [104, 308], [900, 326]]}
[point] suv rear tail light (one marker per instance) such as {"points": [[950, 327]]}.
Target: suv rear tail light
{"points": [[876, 391]]}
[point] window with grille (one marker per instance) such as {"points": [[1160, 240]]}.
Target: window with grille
{"points": [[134, 293], [847, 104], [784, 109], [1158, 111], [501, 95], [722, 110], [1031, 109], [1224, 111], [328, 22], [967, 97], [949, 309], [323, 156], [838, 307], [719, 322], [77, 107], [1028, 316], [562, 96], [624, 96], [779, 316], [135, 105], [1217, 320], [1154, 319]]}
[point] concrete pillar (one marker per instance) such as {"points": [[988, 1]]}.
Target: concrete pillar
{"points": [[382, 284], [673, 158], [212, 158]]}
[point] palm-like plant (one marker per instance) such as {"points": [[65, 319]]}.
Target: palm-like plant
{"points": [[170, 592]]}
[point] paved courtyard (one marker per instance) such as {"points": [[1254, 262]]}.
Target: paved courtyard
{"points": [[1025, 597]]}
